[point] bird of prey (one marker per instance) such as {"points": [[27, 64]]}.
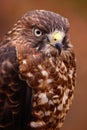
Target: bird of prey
{"points": [[37, 72]]}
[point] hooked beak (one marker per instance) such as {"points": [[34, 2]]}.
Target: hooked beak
{"points": [[56, 39], [59, 47]]}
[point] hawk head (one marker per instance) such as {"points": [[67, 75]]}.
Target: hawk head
{"points": [[44, 31]]}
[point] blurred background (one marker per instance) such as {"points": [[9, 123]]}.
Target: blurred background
{"points": [[76, 12]]}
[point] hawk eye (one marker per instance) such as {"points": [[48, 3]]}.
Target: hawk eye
{"points": [[37, 32]]}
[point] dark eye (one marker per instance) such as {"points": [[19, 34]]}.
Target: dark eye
{"points": [[38, 32]]}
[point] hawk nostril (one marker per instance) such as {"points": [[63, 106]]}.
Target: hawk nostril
{"points": [[55, 39]]}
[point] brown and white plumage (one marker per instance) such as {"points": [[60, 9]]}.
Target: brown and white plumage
{"points": [[37, 72]]}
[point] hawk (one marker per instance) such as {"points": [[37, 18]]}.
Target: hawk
{"points": [[37, 72]]}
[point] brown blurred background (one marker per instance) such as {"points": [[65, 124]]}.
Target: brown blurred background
{"points": [[76, 12]]}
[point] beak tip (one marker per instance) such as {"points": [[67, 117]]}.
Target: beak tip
{"points": [[59, 47]]}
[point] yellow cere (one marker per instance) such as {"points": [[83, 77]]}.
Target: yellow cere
{"points": [[57, 36]]}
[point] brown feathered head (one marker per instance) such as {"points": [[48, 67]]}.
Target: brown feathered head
{"points": [[47, 27], [43, 30]]}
